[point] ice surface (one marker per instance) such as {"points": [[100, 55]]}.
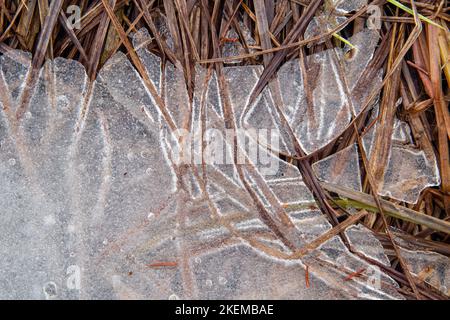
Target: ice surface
{"points": [[95, 205], [231, 44], [430, 267], [332, 78], [342, 168], [409, 169]]}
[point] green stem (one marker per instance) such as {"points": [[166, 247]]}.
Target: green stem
{"points": [[410, 11]]}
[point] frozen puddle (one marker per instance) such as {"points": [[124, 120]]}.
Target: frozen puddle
{"points": [[97, 204]]}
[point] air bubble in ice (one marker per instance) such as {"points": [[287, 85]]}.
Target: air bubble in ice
{"points": [[50, 290], [144, 154], [63, 102]]}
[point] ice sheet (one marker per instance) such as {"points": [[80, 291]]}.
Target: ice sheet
{"points": [[95, 204]]}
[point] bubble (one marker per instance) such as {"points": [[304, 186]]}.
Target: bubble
{"points": [[28, 115], [12, 161], [197, 260], [150, 216], [50, 290], [149, 171], [144, 154], [174, 297], [209, 283], [63, 102]]}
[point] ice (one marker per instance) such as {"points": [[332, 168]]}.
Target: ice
{"points": [[428, 266], [65, 170], [366, 242], [342, 168], [332, 79], [14, 66], [348, 6], [231, 44], [409, 170], [433, 268], [96, 206], [331, 15]]}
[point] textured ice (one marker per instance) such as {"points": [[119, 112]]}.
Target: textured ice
{"points": [[331, 15], [409, 170], [430, 267], [231, 46], [332, 78], [95, 205], [342, 168]]}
